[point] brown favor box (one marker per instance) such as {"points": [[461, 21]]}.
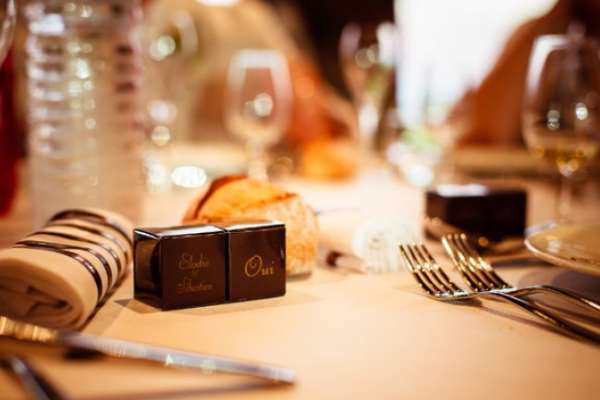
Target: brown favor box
{"points": [[256, 267], [192, 266], [180, 267], [493, 212]]}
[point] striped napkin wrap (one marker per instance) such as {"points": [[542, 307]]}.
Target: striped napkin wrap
{"points": [[57, 276]]}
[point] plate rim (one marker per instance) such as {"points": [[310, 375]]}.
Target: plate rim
{"points": [[580, 266]]}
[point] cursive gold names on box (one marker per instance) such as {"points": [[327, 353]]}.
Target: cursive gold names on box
{"points": [[188, 286], [255, 266]]}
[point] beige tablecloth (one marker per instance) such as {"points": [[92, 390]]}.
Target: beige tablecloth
{"points": [[347, 335]]}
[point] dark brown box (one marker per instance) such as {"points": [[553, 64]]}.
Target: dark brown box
{"points": [[256, 259], [493, 212], [180, 266]]}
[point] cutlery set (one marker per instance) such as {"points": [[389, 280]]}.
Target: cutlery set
{"points": [[478, 274], [483, 282]]}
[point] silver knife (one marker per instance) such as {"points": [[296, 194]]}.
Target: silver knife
{"points": [[138, 351], [38, 387]]}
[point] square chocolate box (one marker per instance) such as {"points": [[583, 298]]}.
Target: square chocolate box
{"points": [[493, 212], [256, 260], [181, 266]]}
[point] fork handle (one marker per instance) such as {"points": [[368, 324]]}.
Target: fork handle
{"points": [[569, 295], [563, 325]]}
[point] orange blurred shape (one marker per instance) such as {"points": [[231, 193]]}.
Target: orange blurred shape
{"points": [[309, 119]]}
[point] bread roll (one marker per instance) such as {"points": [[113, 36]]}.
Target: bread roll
{"points": [[237, 198], [329, 159]]}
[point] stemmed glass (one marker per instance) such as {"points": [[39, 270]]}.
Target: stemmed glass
{"points": [[562, 108], [171, 47], [258, 103], [367, 55]]}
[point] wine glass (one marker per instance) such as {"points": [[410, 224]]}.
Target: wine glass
{"points": [[7, 23], [172, 48], [367, 56], [561, 120], [258, 103]]}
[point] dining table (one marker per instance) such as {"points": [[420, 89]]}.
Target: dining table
{"points": [[346, 334]]}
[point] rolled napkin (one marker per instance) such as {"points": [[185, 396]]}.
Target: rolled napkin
{"points": [[56, 277]]}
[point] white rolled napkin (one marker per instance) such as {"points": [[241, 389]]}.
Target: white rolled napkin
{"points": [[363, 241], [56, 277]]}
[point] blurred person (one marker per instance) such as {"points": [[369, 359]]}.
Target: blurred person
{"points": [[491, 113], [322, 25]]}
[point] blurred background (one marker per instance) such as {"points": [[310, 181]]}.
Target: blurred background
{"points": [[412, 86]]}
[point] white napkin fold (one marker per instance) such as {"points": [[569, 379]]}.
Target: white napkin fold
{"points": [[56, 277], [363, 241]]}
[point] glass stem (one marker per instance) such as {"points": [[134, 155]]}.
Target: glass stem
{"points": [[564, 199], [257, 165], [368, 120]]}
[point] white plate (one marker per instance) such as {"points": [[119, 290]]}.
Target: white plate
{"points": [[571, 246]]}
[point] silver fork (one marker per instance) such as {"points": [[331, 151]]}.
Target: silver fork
{"points": [[480, 275], [436, 283]]}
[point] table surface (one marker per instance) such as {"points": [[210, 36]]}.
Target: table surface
{"points": [[347, 335]]}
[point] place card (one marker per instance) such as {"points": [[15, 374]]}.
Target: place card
{"points": [[494, 212], [180, 267], [256, 262], [190, 266]]}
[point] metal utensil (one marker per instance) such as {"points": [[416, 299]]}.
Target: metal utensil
{"points": [[437, 229], [132, 350], [32, 381], [434, 281], [480, 275]]}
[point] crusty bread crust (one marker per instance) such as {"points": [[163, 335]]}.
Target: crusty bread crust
{"points": [[237, 198]]}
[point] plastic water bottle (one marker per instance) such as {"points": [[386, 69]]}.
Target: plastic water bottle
{"points": [[84, 112]]}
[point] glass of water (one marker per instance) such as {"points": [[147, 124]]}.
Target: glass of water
{"points": [[258, 103]]}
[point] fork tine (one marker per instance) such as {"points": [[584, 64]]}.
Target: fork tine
{"points": [[480, 263], [461, 264], [406, 258], [436, 269], [427, 272], [415, 269], [433, 268], [472, 263]]}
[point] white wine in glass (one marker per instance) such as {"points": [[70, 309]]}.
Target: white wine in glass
{"points": [[561, 120], [569, 152], [258, 103]]}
